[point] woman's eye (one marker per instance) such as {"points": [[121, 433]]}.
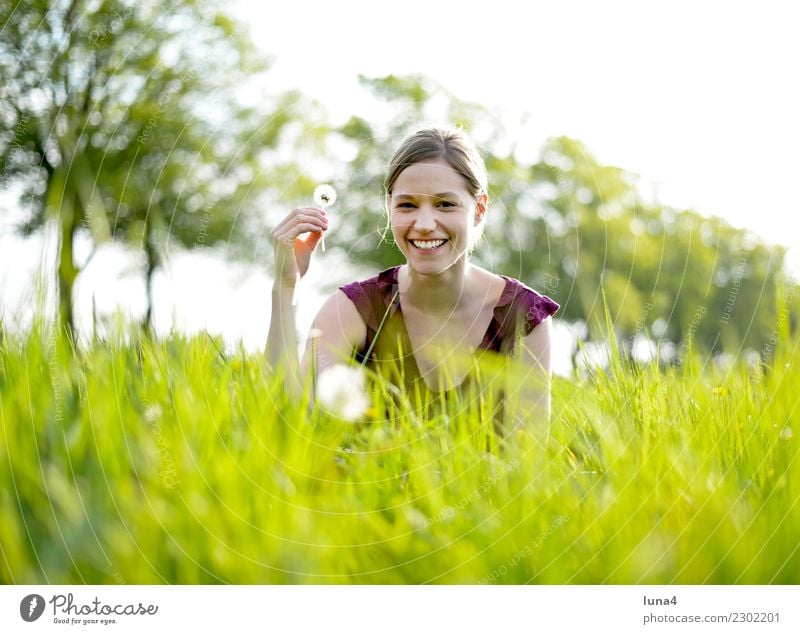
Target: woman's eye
{"points": [[408, 205]]}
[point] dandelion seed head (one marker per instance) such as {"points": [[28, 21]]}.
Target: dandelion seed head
{"points": [[341, 391], [152, 414], [324, 195]]}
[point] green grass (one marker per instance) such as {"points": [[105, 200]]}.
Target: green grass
{"points": [[167, 462]]}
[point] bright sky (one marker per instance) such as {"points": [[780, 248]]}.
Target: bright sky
{"points": [[700, 99]]}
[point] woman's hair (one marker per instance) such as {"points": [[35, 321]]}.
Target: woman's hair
{"points": [[453, 145]]}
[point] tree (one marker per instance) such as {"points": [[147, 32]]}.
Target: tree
{"points": [[573, 228], [123, 123], [665, 274]]}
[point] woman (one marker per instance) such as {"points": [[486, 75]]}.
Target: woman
{"points": [[423, 315]]}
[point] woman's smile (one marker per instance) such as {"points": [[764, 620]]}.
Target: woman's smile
{"points": [[428, 246]]}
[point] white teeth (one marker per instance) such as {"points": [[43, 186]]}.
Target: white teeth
{"points": [[427, 244]]}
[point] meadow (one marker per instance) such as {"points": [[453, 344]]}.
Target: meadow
{"points": [[170, 461]]}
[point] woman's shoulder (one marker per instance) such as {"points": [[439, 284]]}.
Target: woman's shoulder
{"points": [[520, 303], [375, 285], [370, 295]]}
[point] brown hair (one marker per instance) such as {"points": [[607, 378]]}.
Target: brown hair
{"points": [[453, 145]]}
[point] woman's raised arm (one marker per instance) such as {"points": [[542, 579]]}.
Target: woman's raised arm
{"points": [[339, 327], [292, 258]]}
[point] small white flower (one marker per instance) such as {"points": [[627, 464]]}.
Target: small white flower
{"points": [[341, 390], [152, 414], [324, 195]]}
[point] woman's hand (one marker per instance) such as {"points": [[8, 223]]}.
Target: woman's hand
{"points": [[293, 254]]}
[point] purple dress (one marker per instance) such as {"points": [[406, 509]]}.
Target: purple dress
{"points": [[519, 310]]}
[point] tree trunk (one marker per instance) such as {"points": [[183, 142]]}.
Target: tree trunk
{"points": [[151, 264], [67, 271]]}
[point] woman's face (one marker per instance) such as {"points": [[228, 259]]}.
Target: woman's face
{"points": [[433, 215]]}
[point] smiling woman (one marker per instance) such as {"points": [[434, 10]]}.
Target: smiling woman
{"points": [[424, 324]]}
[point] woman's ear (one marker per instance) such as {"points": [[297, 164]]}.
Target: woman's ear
{"points": [[480, 207]]}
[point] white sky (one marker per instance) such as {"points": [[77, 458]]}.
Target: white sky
{"points": [[700, 99]]}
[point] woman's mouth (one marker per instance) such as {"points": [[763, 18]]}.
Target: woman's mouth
{"points": [[427, 246]]}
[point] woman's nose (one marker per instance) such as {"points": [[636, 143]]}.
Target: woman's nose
{"points": [[426, 219]]}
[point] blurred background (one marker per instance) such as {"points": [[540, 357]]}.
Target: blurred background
{"points": [[638, 153]]}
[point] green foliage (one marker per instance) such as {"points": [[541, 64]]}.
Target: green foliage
{"points": [[167, 462], [124, 123], [573, 228], [699, 277], [104, 102]]}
